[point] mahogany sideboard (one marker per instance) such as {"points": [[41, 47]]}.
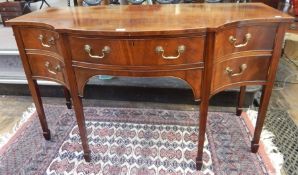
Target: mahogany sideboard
{"points": [[210, 46]]}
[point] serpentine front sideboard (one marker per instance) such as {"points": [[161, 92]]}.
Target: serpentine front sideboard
{"points": [[211, 46]]}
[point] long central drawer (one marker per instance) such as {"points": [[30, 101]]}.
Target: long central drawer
{"points": [[138, 52]]}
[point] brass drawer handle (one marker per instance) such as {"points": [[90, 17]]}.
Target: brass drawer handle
{"points": [[105, 50], [52, 71], [51, 41], [180, 50], [233, 41], [243, 67]]}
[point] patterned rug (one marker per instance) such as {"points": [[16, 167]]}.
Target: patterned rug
{"points": [[131, 141]]}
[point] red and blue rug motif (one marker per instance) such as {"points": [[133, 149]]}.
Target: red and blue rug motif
{"points": [[131, 141]]}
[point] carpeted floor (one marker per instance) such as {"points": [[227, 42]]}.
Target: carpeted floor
{"points": [[131, 141]]}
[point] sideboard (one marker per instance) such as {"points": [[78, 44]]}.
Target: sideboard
{"points": [[210, 46]]}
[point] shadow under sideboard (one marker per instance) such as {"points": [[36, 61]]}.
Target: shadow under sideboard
{"points": [[162, 90]]}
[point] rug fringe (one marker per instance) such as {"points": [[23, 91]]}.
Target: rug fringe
{"points": [[25, 116], [270, 148]]}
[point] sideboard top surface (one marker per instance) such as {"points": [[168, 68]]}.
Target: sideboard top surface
{"points": [[151, 19]]}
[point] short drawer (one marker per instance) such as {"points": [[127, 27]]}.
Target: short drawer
{"points": [[16, 14], [138, 52], [247, 38], [12, 6], [237, 70], [46, 67], [11, 9], [43, 39]]}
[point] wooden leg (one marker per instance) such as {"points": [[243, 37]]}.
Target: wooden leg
{"points": [[75, 3], [267, 89], [202, 131], [39, 108], [78, 107], [266, 92], [241, 98], [205, 95], [67, 97]]}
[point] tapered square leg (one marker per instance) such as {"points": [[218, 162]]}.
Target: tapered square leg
{"points": [[199, 163], [241, 98], [205, 95], [47, 135], [78, 107], [254, 147], [39, 108], [267, 88], [202, 130], [67, 97], [266, 92], [87, 156], [68, 104]]}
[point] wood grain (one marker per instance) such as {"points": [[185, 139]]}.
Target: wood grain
{"points": [[150, 19], [138, 52], [262, 38], [40, 71], [31, 39], [257, 70]]}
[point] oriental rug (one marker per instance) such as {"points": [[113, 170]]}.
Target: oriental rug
{"points": [[131, 141]]}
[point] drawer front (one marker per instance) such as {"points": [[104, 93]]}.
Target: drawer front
{"points": [[46, 67], [246, 38], [42, 39], [11, 14], [138, 52], [237, 70], [12, 4], [11, 9]]}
